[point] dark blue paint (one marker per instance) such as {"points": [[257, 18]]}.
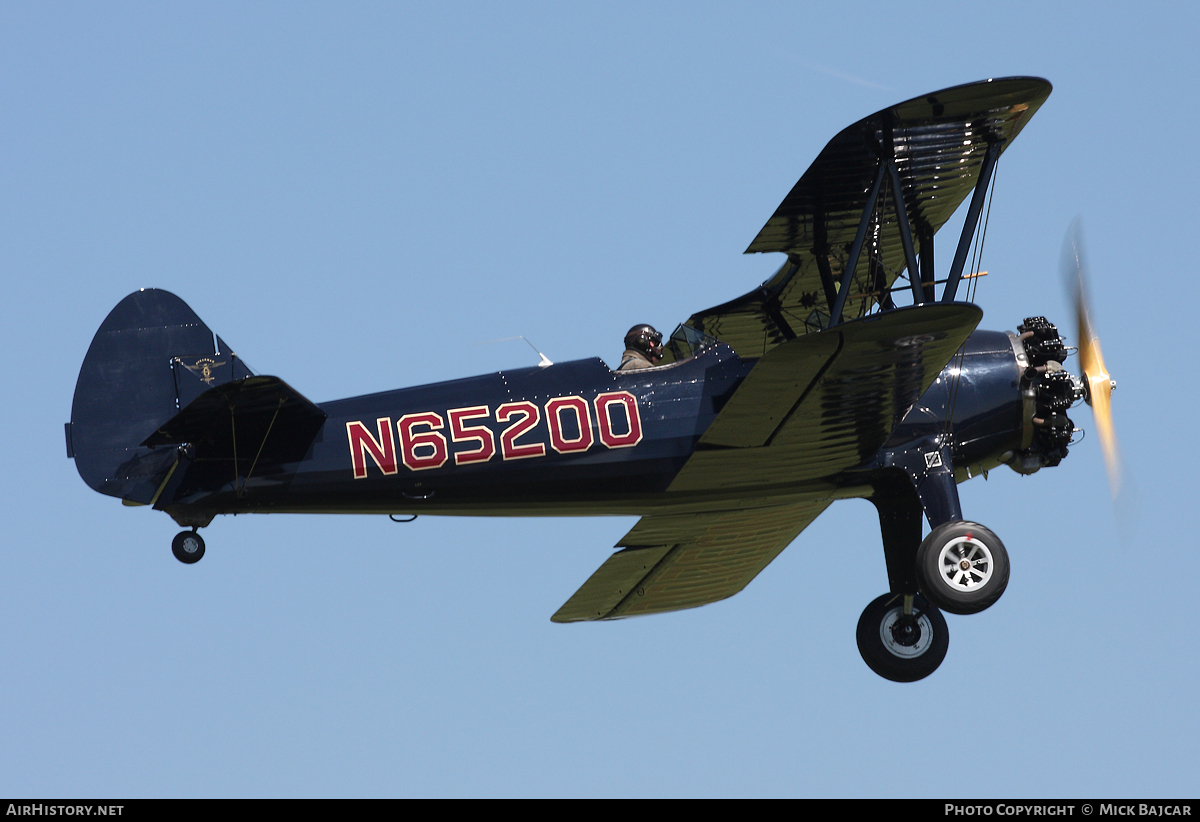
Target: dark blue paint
{"points": [[129, 387]]}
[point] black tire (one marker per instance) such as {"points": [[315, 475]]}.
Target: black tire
{"points": [[898, 647], [188, 547], [962, 567]]}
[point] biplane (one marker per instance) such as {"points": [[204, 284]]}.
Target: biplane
{"points": [[844, 375]]}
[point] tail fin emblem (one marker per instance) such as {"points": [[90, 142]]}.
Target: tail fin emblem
{"points": [[204, 368]]}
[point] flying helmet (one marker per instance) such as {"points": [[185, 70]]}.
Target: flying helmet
{"points": [[645, 339]]}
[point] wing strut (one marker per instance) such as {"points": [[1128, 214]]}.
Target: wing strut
{"points": [[772, 307], [906, 237], [821, 256], [835, 313], [969, 225], [915, 271], [927, 268]]}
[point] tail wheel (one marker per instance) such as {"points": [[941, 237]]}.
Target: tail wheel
{"points": [[902, 643], [962, 567], [188, 547]]}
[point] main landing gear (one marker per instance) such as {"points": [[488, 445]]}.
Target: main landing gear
{"points": [[188, 546], [961, 567], [902, 637]]}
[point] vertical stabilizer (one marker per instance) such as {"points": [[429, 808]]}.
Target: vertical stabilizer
{"points": [[151, 356]]}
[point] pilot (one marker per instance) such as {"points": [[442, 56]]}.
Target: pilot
{"points": [[643, 348]]}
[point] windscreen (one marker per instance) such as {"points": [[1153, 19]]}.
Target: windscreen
{"points": [[685, 342]]}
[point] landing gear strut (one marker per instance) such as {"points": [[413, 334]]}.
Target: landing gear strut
{"points": [[902, 638], [188, 546]]}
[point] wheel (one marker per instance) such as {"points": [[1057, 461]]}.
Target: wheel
{"points": [[962, 567], [188, 547], [900, 647]]}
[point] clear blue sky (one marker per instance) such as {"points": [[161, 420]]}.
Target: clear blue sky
{"points": [[353, 195]]}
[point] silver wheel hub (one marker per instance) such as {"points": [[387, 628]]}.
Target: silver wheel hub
{"points": [[889, 629], [966, 563]]}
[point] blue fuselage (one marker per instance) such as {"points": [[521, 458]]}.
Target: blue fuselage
{"points": [[576, 438]]}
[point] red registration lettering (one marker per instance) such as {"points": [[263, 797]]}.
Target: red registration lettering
{"points": [[528, 415], [468, 433], [432, 444], [625, 405], [382, 450], [572, 406]]}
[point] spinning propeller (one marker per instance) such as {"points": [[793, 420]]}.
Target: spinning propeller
{"points": [[1098, 385]]}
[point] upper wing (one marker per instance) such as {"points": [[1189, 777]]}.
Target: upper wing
{"points": [[676, 561], [936, 143]]}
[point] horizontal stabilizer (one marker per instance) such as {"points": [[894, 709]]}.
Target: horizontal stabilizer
{"points": [[244, 419], [677, 561]]}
